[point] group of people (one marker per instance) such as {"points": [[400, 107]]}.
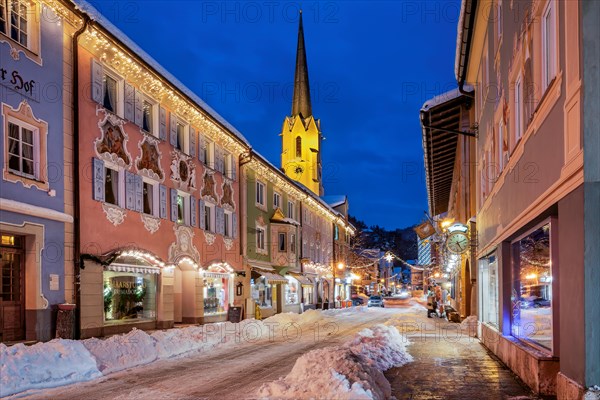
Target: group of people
{"points": [[437, 299]]}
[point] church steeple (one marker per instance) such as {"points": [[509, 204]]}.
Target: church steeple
{"points": [[301, 101]]}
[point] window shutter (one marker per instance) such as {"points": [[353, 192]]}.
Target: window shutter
{"points": [[201, 145], [193, 213], [173, 129], [173, 205], [163, 201], [139, 108], [220, 219], [98, 179], [139, 193], [234, 227], [97, 81], [202, 225], [163, 124], [129, 102], [129, 190], [192, 141]]}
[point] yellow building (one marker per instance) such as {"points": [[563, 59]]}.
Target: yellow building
{"points": [[301, 132]]}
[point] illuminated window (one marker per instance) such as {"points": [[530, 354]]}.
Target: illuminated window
{"points": [[23, 150], [19, 25]]}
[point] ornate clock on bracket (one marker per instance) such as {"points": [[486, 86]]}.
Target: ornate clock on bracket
{"points": [[458, 239]]}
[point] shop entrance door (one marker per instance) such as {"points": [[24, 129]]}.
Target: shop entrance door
{"points": [[12, 289]]}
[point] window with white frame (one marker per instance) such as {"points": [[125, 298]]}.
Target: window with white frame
{"points": [[276, 200], [229, 166], [260, 193], [150, 116], [23, 149], [112, 92], [290, 210], [183, 137], [227, 223], [209, 217], [261, 233], [150, 197], [181, 209], [209, 153], [282, 242], [112, 185], [501, 146], [518, 104], [548, 44]]}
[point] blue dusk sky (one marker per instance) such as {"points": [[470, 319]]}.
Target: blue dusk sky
{"points": [[372, 65]]}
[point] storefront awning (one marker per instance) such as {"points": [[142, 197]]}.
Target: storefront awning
{"points": [[139, 269], [272, 277], [303, 279]]}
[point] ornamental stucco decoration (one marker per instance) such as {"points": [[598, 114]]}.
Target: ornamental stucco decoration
{"points": [[210, 238], [183, 171], [148, 163], [150, 223], [209, 187], [183, 245], [228, 243], [227, 201], [111, 146], [114, 214]]}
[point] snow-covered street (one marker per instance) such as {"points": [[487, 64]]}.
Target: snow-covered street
{"points": [[239, 367]]}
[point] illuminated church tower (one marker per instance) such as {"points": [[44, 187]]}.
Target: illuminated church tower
{"points": [[301, 132]]}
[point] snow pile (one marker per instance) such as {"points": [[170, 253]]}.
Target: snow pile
{"points": [[593, 393], [44, 365], [350, 371], [469, 325], [120, 352]]}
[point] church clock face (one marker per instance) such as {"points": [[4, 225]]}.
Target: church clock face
{"points": [[298, 170], [457, 242]]}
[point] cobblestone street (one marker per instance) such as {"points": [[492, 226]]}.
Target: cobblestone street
{"points": [[451, 369]]}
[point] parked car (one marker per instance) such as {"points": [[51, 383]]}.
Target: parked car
{"points": [[375, 301], [534, 302], [358, 301]]}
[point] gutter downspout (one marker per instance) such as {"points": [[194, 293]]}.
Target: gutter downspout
{"points": [[471, 15], [76, 202]]}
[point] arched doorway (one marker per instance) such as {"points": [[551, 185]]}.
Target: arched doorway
{"points": [[185, 284]]}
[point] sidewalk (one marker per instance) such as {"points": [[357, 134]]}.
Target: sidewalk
{"points": [[454, 369]]}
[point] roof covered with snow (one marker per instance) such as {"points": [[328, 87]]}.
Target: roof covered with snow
{"points": [[335, 200], [97, 17]]}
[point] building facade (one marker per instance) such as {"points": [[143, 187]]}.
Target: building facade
{"points": [[36, 192], [159, 195], [530, 63]]}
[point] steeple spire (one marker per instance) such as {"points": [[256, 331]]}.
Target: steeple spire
{"points": [[301, 101]]}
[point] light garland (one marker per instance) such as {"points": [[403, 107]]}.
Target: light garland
{"points": [[132, 70]]}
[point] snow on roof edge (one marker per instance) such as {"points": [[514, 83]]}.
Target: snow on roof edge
{"points": [[96, 16]]}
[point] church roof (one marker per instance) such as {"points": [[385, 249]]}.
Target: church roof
{"points": [[301, 100]]}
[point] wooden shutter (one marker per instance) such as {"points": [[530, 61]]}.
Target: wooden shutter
{"points": [[174, 205], [234, 227], [139, 193], [97, 81], [201, 145], [220, 220], [99, 177], [129, 102], [163, 201], [192, 141], [163, 124], [193, 213], [173, 129], [129, 190], [139, 109], [202, 214]]}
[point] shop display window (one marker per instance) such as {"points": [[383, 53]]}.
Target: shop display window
{"points": [[262, 292], [531, 295], [216, 294], [292, 292], [129, 296]]}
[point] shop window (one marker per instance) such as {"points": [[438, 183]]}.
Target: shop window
{"points": [[488, 278], [292, 291], [216, 293], [308, 294], [262, 292], [532, 288], [129, 296]]}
